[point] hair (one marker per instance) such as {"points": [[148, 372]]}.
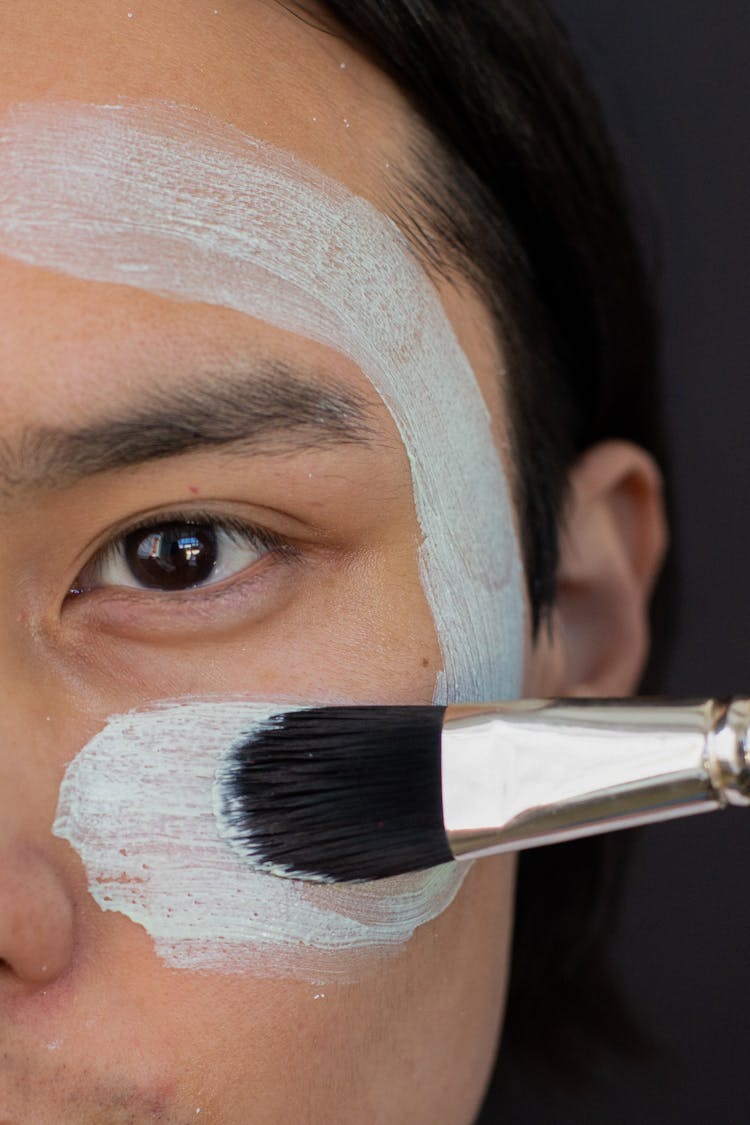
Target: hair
{"points": [[525, 197]]}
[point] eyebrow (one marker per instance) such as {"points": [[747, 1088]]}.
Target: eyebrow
{"points": [[270, 409]]}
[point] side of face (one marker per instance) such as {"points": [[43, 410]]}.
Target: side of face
{"points": [[320, 596]]}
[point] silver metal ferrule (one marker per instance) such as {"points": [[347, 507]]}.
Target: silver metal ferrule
{"points": [[534, 772]]}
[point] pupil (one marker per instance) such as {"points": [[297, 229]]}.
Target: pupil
{"points": [[171, 556]]}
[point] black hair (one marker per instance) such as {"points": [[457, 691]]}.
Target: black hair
{"points": [[525, 197]]}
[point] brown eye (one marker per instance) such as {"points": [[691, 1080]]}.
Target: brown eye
{"points": [[171, 556]]}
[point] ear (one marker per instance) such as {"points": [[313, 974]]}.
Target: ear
{"points": [[612, 543]]}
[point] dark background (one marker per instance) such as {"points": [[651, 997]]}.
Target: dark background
{"points": [[674, 82]]}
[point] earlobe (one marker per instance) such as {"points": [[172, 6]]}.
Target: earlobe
{"points": [[612, 544]]}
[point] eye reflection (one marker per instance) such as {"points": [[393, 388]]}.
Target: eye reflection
{"points": [[175, 554], [172, 557]]}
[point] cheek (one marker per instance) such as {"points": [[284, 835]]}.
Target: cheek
{"points": [[433, 1009], [137, 804]]}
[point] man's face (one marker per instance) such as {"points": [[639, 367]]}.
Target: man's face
{"points": [[310, 540]]}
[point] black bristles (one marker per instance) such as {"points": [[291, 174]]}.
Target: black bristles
{"points": [[338, 793]]}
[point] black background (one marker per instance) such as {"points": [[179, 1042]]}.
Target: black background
{"points": [[674, 82]]}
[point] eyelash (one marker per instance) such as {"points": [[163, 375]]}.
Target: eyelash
{"points": [[268, 542]]}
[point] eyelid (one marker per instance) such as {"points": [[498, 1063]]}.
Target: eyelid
{"points": [[242, 530]]}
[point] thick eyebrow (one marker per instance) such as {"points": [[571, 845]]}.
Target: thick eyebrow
{"points": [[270, 409]]}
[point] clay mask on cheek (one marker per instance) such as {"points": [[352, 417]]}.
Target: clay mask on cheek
{"points": [[137, 805], [166, 199]]}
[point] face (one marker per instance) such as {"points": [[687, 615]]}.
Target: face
{"points": [[217, 486]]}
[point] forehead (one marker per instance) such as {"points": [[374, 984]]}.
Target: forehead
{"points": [[263, 67], [256, 64], [72, 351], [253, 64]]}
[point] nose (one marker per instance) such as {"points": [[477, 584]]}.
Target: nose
{"points": [[36, 900], [36, 888], [36, 916]]}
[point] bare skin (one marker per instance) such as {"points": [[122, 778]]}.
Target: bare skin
{"points": [[93, 1026]]}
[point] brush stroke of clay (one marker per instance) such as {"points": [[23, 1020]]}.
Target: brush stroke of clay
{"points": [[151, 773]]}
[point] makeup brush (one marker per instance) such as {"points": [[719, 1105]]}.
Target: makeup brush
{"points": [[351, 793]]}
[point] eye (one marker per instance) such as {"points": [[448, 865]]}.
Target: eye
{"points": [[176, 554]]}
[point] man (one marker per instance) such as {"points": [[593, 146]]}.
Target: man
{"points": [[272, 556]]}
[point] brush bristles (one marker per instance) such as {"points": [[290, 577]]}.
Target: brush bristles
{"points": [[338, 793]]}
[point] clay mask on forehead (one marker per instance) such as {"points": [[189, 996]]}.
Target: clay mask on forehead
{"points": [[165, 199]]}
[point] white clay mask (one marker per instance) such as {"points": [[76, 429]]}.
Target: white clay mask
{"points": [[151, 774], [168, 200]]}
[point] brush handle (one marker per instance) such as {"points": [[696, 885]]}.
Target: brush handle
{"points": [[533, 772]]}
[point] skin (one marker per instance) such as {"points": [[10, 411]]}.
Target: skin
{"points": [[93, 1027]]}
